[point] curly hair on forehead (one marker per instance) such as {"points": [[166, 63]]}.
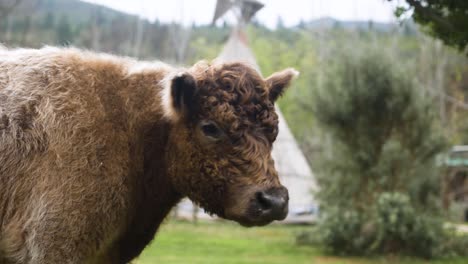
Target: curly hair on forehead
{"points": [[240, 82], [236, 93]]}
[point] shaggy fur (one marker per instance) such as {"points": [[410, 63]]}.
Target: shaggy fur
{"points": [[95, 150]]}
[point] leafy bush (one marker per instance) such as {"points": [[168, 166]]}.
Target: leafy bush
{"points": [[391, 226], [341, 231], [454, 245], [401, 229]]}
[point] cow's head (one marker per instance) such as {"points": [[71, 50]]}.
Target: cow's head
{"points": [[224, 126]]}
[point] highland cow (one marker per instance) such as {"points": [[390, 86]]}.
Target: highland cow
{"points": [[96, 149]]}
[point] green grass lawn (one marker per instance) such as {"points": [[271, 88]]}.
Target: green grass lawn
{"points": [[226, 242]]}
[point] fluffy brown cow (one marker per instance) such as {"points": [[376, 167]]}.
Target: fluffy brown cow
{"points": [[95, 150]]}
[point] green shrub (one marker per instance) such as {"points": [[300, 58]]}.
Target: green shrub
{"points": [[454, 245], [401, 229], [341, 232], [391, 226]]}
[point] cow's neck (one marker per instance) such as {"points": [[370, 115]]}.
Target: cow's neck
{"points": [[154, 195], [156, 166], [154, 131]]}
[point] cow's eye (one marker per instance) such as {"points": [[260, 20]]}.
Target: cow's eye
{"points": [[211, 130]]}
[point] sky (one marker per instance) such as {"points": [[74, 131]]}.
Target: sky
{"points": [[290, 11]]}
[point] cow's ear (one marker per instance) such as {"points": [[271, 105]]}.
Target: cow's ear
{"points": [[279, 81], [183, 91], [181, 97]]}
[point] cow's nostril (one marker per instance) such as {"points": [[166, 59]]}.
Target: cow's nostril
{"points": [[272, 205], [264, 201]]}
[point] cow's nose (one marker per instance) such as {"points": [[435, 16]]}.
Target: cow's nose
{"points": [[272, 204]]}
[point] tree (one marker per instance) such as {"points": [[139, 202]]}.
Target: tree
{"points": [[379, 183], [279, 23], [49, 21], [64, 31], [383, 133], [445, 19], [7, 6]]}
